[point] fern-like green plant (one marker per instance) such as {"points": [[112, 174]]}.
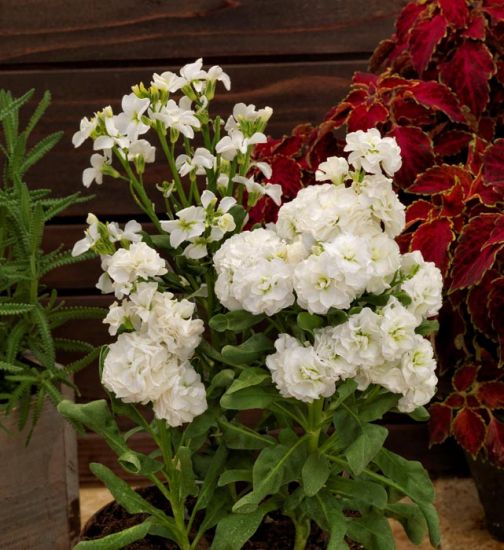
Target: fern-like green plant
{"points": [[29, 312]]}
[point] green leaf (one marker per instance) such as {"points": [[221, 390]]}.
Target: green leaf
{"points": [[420, 414], [426, 328], [362, 451], [186, 480], [232, 476], [326, 511], [14, 105], [374, 409], [221, 380], [256, 397], [346, 429], [236, 321], [411, 518], [403, 297], [40, 150], [315, 473], [373, 531], [239, 214], [116, 540], [211, 477], [367, 492], [252, 349], [432, 519], [251, 376], [15, 308], [309, 321], [274, 467], [236, 529], [409, 475], [337, 316], [343, 391], [238, 436]]}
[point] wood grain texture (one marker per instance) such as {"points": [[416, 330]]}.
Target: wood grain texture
{"points": [[298, 92], [39, 487], [72, 30]]}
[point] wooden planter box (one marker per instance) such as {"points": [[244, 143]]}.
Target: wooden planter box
{"points": [[39, 486]]}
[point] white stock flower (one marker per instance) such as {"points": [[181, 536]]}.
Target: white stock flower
{"points": [[385, 261], [398, 329], [247, 113], [179, 117], [95, 172], [183, 400], [113, 137], [368, 150], [320, 284], [418, 367], [190, 224], [378, 195], [91, 236], [240, 271], [327, 347], [167, 81], [142, 148], [129, 122], [235, 142], [131, 232], [127, 266], [137, 369], [193, 73], [297, 371], [256, 190], [334, 169], [87, 127], [201, 161], [424, 286], [215, 74]]}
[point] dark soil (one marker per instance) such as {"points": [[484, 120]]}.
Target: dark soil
{"points": [[275, 533]]}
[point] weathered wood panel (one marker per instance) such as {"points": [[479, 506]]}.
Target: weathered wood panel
{"points": [[72, 30], [39, 486], [298, 92]]}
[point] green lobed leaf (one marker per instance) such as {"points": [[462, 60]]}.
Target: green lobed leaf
{"points": [[362, 451], [373, 531], [252, 349], [232, 476], [367, 492], [116, 540], [251, 376], [426, 328], [315, 473], [236, 321], [256, 397], [309, 321], [326, 510], [239, 436], [411, 518], [374, 409]]}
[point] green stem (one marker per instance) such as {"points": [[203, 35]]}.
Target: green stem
{"points": [[303, 528], [170, 157], [315, 416]]}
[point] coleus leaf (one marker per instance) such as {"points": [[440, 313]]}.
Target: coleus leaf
{"points": [[491, 394], [439, 179], [451, 142], [495, 309], [485, 193], [424, 37], [439, 423], [494, 442], [471, 260], [468, 73], [494, 8], [437, 96], [456, 12], [493, 164], [409, 14], [465, 376], [476, 27], [433, 239], [477, 304], [367, 116], [417, 153], [419, 210], [469, 430]]}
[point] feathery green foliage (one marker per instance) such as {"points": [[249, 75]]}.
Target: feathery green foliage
{"points": [[29, 312]]}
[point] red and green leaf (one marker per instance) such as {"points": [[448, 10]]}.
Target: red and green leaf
{"points": [[424, 37], [494, 442], [433, 239], [471, 261], [491, 394], [469, 430], [439, 423], [438, 97], [439, 179], [456, 12], [465, 377], [493, 164], [468, 73], [477, 304]]}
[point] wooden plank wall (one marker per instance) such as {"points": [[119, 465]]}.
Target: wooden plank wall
{"points": [[295, 55]]}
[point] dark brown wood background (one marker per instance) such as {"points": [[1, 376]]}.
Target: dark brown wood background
{"points": [[295, 55]]}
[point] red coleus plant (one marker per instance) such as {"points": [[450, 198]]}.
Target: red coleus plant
{"points": [[441, 96]]}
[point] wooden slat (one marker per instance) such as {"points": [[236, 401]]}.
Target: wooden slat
{"points": [[39, 486], [298, 92], [72, 30]]}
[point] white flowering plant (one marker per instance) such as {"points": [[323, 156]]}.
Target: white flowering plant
{"points": [[317, 323]]}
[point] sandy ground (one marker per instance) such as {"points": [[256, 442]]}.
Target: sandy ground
{"points": [[461, 514]]}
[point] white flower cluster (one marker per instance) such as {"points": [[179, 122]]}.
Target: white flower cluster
{"points": [[331, 246], [151, 363], [201, 225]]}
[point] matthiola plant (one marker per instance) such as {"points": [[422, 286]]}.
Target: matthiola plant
{"points": [[316, 322]]}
